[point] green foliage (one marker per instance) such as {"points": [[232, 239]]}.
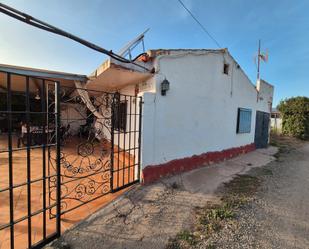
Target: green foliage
{"points": [[295, 117], [188, 237], [221, 213], [214, 217]]}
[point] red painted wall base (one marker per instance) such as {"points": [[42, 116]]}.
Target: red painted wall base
{"points": [[152, 173]]}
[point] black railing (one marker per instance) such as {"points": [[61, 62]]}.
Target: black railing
{"points": [[20, 163], [69, 166]]}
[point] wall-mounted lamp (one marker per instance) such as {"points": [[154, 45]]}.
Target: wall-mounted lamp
{"points": [[165, 86]]}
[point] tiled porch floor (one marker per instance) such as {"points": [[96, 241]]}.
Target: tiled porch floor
{"points": [[20, 196]]}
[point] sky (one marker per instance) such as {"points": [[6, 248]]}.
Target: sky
{"points": [[283, 27]]}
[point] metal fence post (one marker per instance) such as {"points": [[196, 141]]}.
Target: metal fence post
{"points": [[140, 137], [58, 165], [10, 154], [112, 146], [28, 110]]}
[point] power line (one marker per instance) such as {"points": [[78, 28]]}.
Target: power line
{"points": [[23, 17], [200, 24]]}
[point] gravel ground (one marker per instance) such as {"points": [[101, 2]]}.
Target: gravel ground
{"points": [[278, 215], [147, 217]]}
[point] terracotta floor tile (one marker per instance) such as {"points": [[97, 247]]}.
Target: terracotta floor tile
{"points": [[75, 189]]}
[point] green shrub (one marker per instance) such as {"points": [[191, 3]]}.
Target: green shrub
{"points": [[295, 117]]}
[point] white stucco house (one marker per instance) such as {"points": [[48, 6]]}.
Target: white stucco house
{"points": [[209, 111], [198, 107]]}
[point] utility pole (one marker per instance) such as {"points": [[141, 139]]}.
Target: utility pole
{"points": [[259, 60]]}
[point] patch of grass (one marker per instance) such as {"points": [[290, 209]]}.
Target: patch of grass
{"points": [[234, 195], [240, 190], [209, 220], [220, 213], [188, 237], [212, 218], [184, 239], [285, 144], [242, 185]]}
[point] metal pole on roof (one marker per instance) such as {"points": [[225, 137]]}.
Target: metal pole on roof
{"points": [[23, 17], [132, 44], [259, 60]]}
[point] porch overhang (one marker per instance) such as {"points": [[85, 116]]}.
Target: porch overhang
{"points": [[18, 74], [113, 75]]}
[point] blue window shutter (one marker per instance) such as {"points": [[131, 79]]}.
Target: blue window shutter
{"points": [[244, 120]]}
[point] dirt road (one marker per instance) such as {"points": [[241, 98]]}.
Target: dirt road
{"points": [[279, 215], [275, 216], [146, 217]]}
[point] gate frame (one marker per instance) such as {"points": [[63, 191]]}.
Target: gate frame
{"points": [[140, 109], [57, 114], [114, 98], [58, 123], [30, 213]]}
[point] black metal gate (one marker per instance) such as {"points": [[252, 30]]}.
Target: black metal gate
{"points": [[60, 148], [27, 137], [100, 146], [261, 129]]}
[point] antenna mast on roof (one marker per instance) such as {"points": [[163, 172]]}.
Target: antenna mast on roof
{"points": [[263, 56], [259, 60]]}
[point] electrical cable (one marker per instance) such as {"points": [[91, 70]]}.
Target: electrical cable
{"points": [[199, 23], [23, 17]]}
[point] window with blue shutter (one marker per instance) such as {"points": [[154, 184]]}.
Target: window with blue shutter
{"points": [[244, 120]]}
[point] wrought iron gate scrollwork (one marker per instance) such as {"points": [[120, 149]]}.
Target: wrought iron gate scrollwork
{"points": [[85, 158], [100, 145]]}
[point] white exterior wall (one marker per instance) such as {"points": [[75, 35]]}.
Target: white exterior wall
{"points": [[129, 138], [74, 115], [199, 112], [265, 95], [133, 108], [125, 140]]}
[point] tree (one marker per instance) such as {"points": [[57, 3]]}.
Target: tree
{"points": [[295, 117]]}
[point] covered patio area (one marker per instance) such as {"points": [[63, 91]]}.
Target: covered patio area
{"points": [[65, 151]]}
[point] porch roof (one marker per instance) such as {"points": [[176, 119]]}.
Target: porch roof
{"points": [[41, 73], [65, 79], [113, 75]]}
